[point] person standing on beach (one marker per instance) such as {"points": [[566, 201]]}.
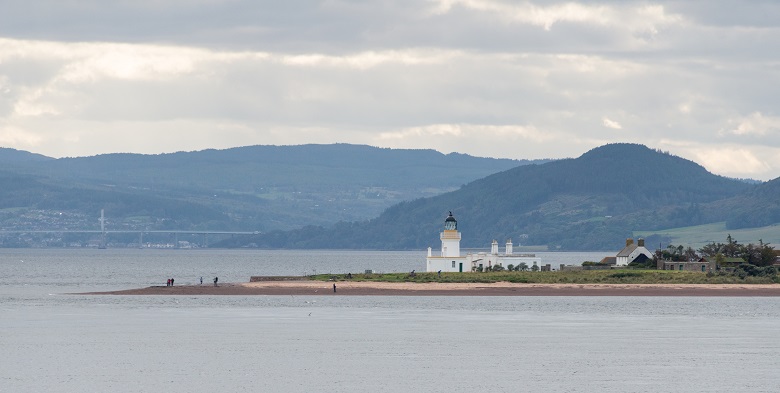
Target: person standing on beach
{"points": [[334, 287], [171, 282], [201, 280], [215, 281], [168, 283]]}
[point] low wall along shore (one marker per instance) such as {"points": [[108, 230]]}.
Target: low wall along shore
{"points": [[277, 278]]}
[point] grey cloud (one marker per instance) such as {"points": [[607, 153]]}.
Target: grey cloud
{"points": [[343, 27], [755, 13], [388, 72], [338, 26]]}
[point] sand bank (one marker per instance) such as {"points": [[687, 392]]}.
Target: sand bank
{"points": [[352, 288]]}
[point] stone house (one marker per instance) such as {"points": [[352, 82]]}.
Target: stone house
{"points": [[701, 265]]}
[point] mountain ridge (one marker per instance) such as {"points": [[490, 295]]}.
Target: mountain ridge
{"points": [[587, 203], [356, 196], [255, 188]]}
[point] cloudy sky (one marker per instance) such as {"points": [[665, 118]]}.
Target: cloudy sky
{"points": [[496, 78]]}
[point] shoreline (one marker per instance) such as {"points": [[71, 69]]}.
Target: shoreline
{"points": [[367, 288]]}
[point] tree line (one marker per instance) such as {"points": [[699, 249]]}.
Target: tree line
{"points": [[761, 254]]}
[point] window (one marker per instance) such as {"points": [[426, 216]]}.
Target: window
{"points": [[681, 267], [704, 268], [453, 264]]}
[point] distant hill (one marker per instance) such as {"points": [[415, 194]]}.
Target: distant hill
{"points": [[255, 169], [362, 197], [255, 188], [588, 203], [700, 235], [20, 157], [758, 207], [34, 203]]}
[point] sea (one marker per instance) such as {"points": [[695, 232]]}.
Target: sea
{"points": [[52, 340]]}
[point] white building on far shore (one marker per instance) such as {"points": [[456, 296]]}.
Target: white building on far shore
{"points": [[450, 260], [633, 252]]}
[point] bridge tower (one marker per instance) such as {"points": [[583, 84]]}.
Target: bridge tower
{"points": [[102, 245]]}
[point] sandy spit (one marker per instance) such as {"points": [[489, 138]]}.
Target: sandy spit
{"points": [[354, 288]]}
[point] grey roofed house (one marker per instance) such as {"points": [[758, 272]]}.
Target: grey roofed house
{"points": [[633, 253], [608, 260]]}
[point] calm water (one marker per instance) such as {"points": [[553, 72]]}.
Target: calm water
{"points": [[69, 343]]}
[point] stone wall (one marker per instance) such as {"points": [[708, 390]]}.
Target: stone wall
{"points": [[701, 267], [576, 268], [276, 278]]}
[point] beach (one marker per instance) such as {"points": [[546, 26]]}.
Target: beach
{"points": [[365, 288]]}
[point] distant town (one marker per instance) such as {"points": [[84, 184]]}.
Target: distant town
{"points": [[63, 229]]}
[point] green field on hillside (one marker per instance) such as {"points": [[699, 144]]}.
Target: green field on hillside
{"points": [[700, 235]]}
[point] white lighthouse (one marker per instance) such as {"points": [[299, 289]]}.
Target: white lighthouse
{"points": [[449, 260]]}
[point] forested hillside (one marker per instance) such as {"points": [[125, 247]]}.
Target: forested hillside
{"points": [[756, 208], [255, 188], [592, 202], [31, 203]]}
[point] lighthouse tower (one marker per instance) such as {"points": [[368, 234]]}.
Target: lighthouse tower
{"points": [[450, 238], [449, 260]]}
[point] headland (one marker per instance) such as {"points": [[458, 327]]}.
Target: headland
{"points": [[372, 288]]}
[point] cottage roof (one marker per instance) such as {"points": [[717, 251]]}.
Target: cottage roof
{"points": [[627, 251], [730, 260]]}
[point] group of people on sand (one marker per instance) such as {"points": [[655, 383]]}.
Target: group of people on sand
{"points": [[170, 282]]}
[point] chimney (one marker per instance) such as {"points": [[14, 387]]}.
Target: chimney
{"points": [[494, 247], [641, 242], [509, 247], [629, 241]]}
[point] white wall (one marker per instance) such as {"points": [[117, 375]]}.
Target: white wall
{"points": [[445, 265]]}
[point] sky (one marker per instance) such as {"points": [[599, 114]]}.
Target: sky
{"points": [[491, 78]]}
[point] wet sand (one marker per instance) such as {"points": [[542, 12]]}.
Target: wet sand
{"points": [[352, 288]]}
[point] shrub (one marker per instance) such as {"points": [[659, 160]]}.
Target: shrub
{"points": [[748, 270], [625, 275], [522, 266], [591, 263]]}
